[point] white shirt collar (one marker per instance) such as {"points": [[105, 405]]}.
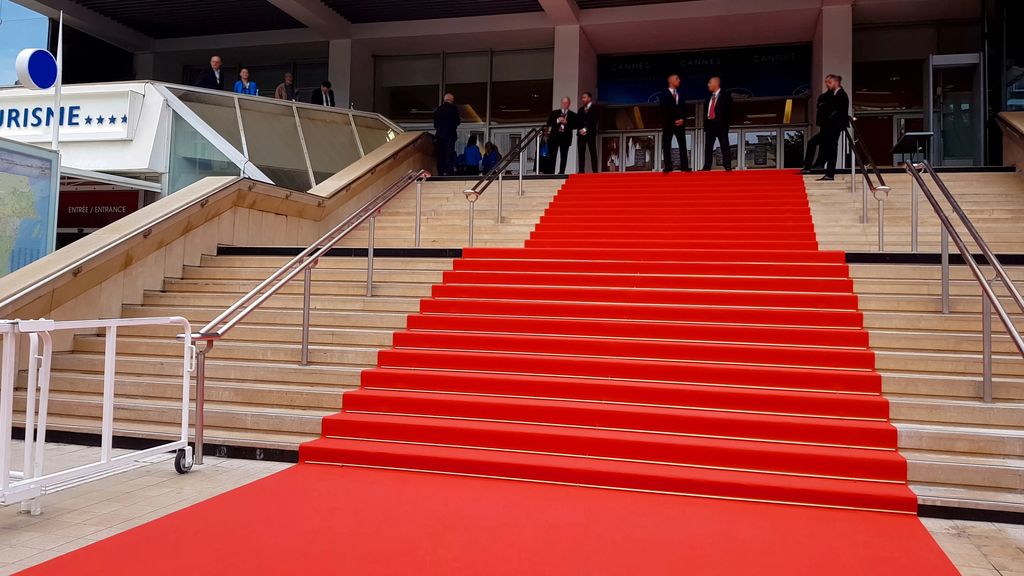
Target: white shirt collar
{"points": [[716, 92]]}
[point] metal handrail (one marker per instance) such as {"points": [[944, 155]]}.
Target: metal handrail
{"points": [[303, 263], [496, 173], [989, 298], [860, 157]]}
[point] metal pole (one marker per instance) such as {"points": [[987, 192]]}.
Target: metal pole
{"points": [[472, 212], [201, 399], [913, 215], [500, 194], [864, 198], [853, 173], [369, 255], [522, 168], [307, 284], [986, 348], [945, 270], [881, 225], [419, 206]]}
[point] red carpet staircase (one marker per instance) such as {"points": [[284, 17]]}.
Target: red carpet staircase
{"points": [[679, 334]]}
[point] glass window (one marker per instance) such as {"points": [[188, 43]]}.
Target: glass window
{"points": [[216, 110], [639, 153], [329, 141], [373, 133], [645, 117], [793, 148], [676, 162], [611, 161], [193, 157], [734, 148], [407, 88], [521, 88], [20, 28], [272, 143], [891, 85], [308, 76], [761, 149], [769, 111], [466, 76]]}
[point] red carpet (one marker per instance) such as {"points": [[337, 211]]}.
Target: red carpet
{"points": [[673, 334]]}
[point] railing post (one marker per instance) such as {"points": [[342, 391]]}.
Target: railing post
{"points": [[945, 269], [913, 215], [881, 225], [201, 399], [864, 199], [419, 209], [109, 372], [853, 173], [307, 285], [472, 213], [501, 193], [369, 255], [522, 168], [986, 348]]}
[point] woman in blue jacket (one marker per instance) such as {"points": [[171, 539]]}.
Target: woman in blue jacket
{"points": [[491, 157], [244, 86], [472, 155]]}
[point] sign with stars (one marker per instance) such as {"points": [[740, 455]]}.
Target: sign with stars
{"points": [[109, 114]]}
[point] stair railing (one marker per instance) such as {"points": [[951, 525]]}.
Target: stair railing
{"points": [[989, 298], [303, 263], [497, 173], [860, 159]]}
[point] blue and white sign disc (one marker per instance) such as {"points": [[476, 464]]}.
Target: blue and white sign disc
{"points": [[36, 68]]}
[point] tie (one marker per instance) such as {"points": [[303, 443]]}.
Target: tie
{"points": [[675, 96], [561, 127], [714, 102]]}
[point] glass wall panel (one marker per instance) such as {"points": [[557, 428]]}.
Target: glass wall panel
{"points": [[329, 141], [734, 148], [793, 148], [466, 76], [770, 111], [373, 133], [889, 85], [761, 149], [639, 153], [216, 110], [273, 145], [20, 28], [521, 89], [193, 157], [407, 88]]}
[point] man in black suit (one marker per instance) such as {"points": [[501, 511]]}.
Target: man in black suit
{"points": [[212, 78], [832, 118], [673, 120], [563, 123], [716, 124], [589, 117], [446, 124], [324, 96]]}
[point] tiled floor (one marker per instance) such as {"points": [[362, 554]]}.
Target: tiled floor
{"points": [[84, 514]]}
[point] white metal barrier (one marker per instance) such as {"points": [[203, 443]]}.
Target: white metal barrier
{"points": [[28, 484]]}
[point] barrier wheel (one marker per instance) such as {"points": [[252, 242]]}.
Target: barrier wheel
{"points": [[181, 466]]}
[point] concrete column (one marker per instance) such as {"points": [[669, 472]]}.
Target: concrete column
{"points": [[339, 70], [145, 66], [575, 71], [833, 46]]}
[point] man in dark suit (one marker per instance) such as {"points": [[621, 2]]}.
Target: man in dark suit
{"points": [[212, 78], [832, 118], [324, 96], [716, 125], [673, 120], [446, 124], [589, 117], [563, 123]]}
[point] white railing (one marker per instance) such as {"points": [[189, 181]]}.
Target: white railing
{"points": [[27, 485]]}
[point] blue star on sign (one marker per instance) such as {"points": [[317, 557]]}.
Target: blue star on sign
{"points": [[124, 119], [88, 120], [112, 119], [99, 120]]}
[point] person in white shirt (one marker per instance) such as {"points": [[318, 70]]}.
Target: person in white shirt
{"points": [[588, 119], [718, 117]]}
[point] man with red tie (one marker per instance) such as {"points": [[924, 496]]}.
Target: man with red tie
{"points": [[716, 124], [673, 120], [563, 122]]}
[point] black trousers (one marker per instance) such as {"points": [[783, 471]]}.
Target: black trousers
{"points": [[679, 132], [720, 132], [582, 144], [562, 147], [445, 156], [826, 145]]}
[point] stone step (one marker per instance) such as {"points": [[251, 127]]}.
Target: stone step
{"points": [[231, 349], [294, 301], [937, 494], [950, 386], [390, 289], [263, 333], [947, 362], [963, 439], [956, 411], [320, 275], [286, 317], [272, 263], [965, 470]]}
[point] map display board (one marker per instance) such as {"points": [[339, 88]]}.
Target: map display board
{"points": [[28, 203]]}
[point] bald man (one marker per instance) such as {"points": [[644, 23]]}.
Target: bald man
{"points": [[446, 124], [563, 122]]}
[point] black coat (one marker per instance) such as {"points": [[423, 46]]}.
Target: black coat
{"points": [[446, 120], [318, 97], [589, 119], [208, 79], [571, 125], [723, 108], [833, 113], [670, 110]]}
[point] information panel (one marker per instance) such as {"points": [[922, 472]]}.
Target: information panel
{"points": [[28, 203]]}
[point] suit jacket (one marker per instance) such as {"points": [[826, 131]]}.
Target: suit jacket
{"points": [[833, 112], [208, 79], [589, 119], [318, 97], [571, 125], [446, 121], [723, 109], [670, 110]]}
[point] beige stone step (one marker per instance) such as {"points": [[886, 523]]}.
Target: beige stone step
{"points": [[294, 301], [388, 289], [956, 411], [940, 340], [321, 275], [235, 350], [936, 494], [287, 317], [948, 362], [956, 469], [272, 263], [967, 386], [944, 437], [262, 333]]}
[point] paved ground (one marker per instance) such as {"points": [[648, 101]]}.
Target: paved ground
{"points": [[84, 514]]}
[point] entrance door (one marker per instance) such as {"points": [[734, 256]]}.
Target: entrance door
{"points": [[956, 111]]}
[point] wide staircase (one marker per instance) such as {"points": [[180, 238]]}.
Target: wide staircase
{"points": [[669, 339]]}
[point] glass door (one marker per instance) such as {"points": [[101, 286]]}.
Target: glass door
{"points": [[956, 109]]}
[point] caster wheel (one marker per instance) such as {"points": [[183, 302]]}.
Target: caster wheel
{"points": [[181, 464]]}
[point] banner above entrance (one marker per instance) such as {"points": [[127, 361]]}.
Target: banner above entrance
{"points": [[110, 114], [762, 71]]}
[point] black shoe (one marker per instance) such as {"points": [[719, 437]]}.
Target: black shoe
{"points": [[826, 178], [805, 171], [666, 171]]}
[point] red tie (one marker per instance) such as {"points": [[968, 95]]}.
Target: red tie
{"points": [[711, 113]]}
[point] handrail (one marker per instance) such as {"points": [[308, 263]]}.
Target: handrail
{"points": [[304, 262], [860, 157], [989, 298], [497, 172]]}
